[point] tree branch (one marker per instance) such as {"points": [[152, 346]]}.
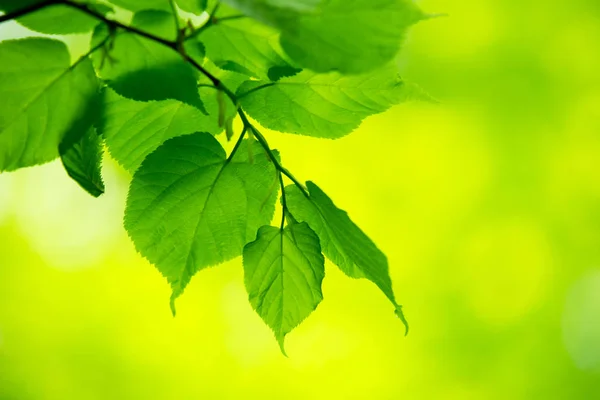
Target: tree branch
{"points": [[175, 46]]}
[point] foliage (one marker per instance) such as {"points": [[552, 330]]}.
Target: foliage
{"points": [[157, 91]]}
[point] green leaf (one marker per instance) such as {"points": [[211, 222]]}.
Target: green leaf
{"points": [[157, 22], [283, 271], [59, 19], [192, 6], [275, 12], [348, 36], [230, 79], [344, 243], [189, 208], [277, 72], [140, 5], [244, 46], [195, 50], [12, 5], [141, 69], [133, 129], [46, 100], [298, 5], [83, 162], [322, 105]]}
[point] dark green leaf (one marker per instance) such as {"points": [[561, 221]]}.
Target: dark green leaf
{"points": [[133, 129], [233, 67], [12, 5], [322, 105], [189, 209], [83, 162], [141, 69], [344, 243], [46, 100], [283, 271], [278, 72]]}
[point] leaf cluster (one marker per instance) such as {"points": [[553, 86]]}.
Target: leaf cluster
{"points": [[163, 80]]}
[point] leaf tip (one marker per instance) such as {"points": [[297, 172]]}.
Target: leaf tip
{"points": [[172, 304], [427, 17], [400, 315], [281, 341]]}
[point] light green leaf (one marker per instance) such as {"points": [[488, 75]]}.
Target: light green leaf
{"points": [[283, 271], [350, 36], [275, 12], [189, 208], [46, 100], [140, 5], [133, 129], [245, 43], [322, 105], [83, 162], [141, 69], [298, 5], [344, 243], [192, 6], [59, 19], [157, 22]]}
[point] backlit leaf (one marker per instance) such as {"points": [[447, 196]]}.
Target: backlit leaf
{"points": [[189, 208], [192, 6], [322, 105], [349, 36], [133, 129], [283, 271], [59, 19], [47, 101], [245, 43], [83, 160], [140, 5], [344, 243]]}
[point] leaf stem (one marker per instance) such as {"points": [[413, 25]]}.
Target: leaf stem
{"points": [[176, 17], [284, 208], [237, 144], [116, 24], [264, 86], [263, 142]]}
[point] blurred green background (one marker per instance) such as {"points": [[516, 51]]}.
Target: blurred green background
{"points": [[488, 207]]}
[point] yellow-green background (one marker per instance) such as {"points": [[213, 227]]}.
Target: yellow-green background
{"points": [[488, 207]]}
